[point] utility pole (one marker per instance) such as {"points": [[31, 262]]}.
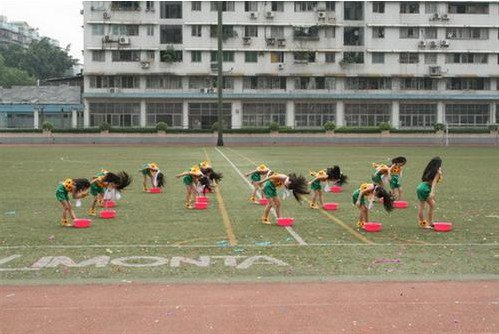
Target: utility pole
{"points": [[220, 141]]}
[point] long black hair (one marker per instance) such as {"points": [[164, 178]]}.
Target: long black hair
{"points": [[160, 180], [121, 179], [212, 175], [399, 160], [81, 184], [431, 169], [380, 192], [298, 185], [335, 174]]}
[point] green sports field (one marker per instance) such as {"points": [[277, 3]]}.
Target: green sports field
{"points": [[155, 239]]}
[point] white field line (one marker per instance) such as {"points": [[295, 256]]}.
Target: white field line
{"points": [[355, 244], [289, 229]]}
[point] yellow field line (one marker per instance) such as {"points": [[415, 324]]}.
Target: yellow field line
{"points": [[327, 214], [223, 211]]}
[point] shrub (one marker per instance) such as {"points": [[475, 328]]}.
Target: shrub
{"points": [[493, 127], [274, 126], [214, 127], [357, 130], [104, 127], [47, 126], [439, 127], [329, 126], [285, 129], [384, 126], [161, 126]]}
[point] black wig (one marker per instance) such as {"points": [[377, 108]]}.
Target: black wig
{"points": [[399, 160], [121, 179], [81, 184], [160, 180], [335, 174], [298, 185], [212, 175], [380, 192], [431, 169]]}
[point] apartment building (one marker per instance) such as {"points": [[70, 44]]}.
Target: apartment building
{"points": [[19, 32], [298, 63]]}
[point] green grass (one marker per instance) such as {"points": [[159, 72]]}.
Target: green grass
{"points": [[158, 225]]}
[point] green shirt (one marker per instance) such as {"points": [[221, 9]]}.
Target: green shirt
{"points": [[188, 179], [255, 177], [61, 193]]}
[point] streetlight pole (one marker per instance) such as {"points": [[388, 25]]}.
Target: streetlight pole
{"points": [[220, 141]]}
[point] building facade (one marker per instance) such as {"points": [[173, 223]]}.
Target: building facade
{"points": [[298, 63], [20, 33]]}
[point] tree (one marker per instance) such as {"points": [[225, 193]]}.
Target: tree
{"points": [[10, 76]]}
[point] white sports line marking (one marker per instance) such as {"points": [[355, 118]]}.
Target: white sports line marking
{"points": [[289, 229], [241, 246]]}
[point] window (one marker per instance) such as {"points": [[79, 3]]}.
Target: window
{"points": [[250, 57], [98, 5], [367, 114], [430, 33], [408, 58], [171, 56], [330, 57], [227, 56], [468, 8], [203, 115], [125, 30], [125, 5], [466, 58], [352, 58], [467, 114], [149, 6], [306, 33], [264, 82], [227, 31], [115, 114], [171, 34], [150, 30], [467, 33], [314, 115], [407, 7], [99, 56], [276, 32], [367, 83], [330, 6], [330, 32], [196, 56], [467, 84], [262, 114], [277, 57], [196, 6], [251, 31], [277, 6], [430, 7], [378, 57], [163, 82], [353, 10], [170, 9], [196, 30], [307, 57], [430, 58], [150, 55], [227, 6], [353, 36], [97, 29], [251, 6], [409, 32], [418, 84], [306, 83], [110, 81], [125, 55], [417, 115], [305, 6], [378, 32], [169, 113], [378, 7]]}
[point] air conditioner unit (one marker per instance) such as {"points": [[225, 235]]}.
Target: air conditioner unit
{"points": [[331, 19], [433, 45], [145, 65], [421, 44], [445, 17], [281, 42], [435, 17], [321, 15], [444, 44], [246, 40], [269, 15], [280, 67], [124, 40], [435, 71], [270, 41], [106, 39], [106, 15], [254, 15], [114, 90], [204, 90]]}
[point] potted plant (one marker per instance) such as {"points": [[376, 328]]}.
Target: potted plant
{"points": [[329, 127], [274, 127], [493, 129], [439, 128], [47, 127], [161, 127], [104, 128], [385, 128]]}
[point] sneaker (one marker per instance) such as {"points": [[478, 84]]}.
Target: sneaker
{"points": [[252, 199], [360, 224], [266, 221], [65, 223], [188, 206], [145, 189], [424, 224], [313, 206], [92, 212]]}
